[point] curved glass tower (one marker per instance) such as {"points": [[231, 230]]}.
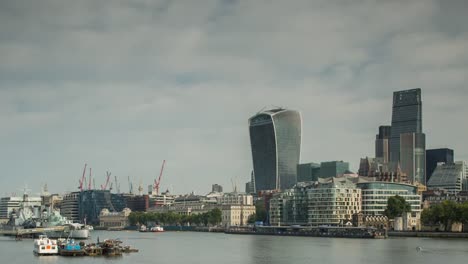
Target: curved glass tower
{"points": [[275, 139]]}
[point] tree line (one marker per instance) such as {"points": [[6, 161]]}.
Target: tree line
{"points": [[446, 213], [212, 218]]}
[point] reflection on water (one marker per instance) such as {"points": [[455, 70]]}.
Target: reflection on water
{"points": [[207, 248]]}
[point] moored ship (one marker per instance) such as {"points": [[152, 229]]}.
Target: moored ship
{"points": [[45, 246]]}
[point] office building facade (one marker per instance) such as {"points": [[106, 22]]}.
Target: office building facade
{"points": [[308, 172], [333, 168], [449, 177], [382, 149], [406, 118], [413, 157], [434, 156], [275, 138], [375, 196]]}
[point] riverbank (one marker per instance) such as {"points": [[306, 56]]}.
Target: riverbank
{"points": [[427, 234]]}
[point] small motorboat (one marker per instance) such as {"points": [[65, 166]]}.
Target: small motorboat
{"points": [[45, 246]]}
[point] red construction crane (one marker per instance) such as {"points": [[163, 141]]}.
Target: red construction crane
{"points": [[158, 181], [104, 187], [82, 179], [89, 182]]}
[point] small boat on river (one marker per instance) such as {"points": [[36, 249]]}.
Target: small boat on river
{"points": [[45, 246]]}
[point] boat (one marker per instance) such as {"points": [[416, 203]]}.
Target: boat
{"points": [[157, 229], [69, 247], [143, 228], [111, 247], [45, 246]]}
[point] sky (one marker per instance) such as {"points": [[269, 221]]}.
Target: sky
{"points": [[124, 85]]}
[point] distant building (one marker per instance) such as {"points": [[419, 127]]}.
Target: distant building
{"points": [[406, 118], [91, 202], [11, 203], [450, 177], [138, 203], [375, 196], [164, 198], [118, 220], [413, 156], [70, 206], [432, 197], [333, 169], [236, 199], [330, 201], [434, 156], [382, 149], [275, 138], [250, 186], [381, 171], [216, 188], [236, 215], [308, 172]]}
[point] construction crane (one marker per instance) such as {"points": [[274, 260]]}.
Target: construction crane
{"points": [[104, 187], [158, 181], [130, 186], [117, 185], [82, 179], [89, 182]]}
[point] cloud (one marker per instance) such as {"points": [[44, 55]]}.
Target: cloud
{"points": [[123, 85]]}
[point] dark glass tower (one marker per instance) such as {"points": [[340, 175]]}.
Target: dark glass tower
{"points": [[406, 118], [434, 156], [413, 156], [275, 139], [381, 143]]}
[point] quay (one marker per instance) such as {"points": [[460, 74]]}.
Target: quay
{"points": [[344, 232], [427, 234], [30, 232]]}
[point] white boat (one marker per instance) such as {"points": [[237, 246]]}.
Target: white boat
{"points": [[78, 231], [157, 229], [45, 246]]}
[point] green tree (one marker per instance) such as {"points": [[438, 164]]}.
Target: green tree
{"points": [[214, 216], [252, 218], [396, 206], [260, 212]]}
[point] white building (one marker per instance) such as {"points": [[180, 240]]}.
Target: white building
{"points": [[114, 219], [236, 215], [236, 198]]}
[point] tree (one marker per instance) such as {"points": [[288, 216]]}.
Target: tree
{"points": [[396, 206], [252, 218], [214, 216], [260, 212]]}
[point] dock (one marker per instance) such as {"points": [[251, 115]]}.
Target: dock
{"points": [[26, 232]]}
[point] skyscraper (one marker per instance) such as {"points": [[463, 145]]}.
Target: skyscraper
{"points": [[434, 156], [413, 156], [275, 139], [406, 118], [382, 150]]}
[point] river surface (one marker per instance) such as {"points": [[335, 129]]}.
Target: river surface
{"points": [[207, 248]]}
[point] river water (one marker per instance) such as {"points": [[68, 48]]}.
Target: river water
{"points": [[207, 248]]}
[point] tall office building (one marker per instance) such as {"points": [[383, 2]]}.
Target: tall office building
{"points": [[308, 172], [413, 156], [434, 156], [382, 149], [275, 139], [333, 169], [406, 118]]}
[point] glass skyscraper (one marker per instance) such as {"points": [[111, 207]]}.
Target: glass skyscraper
{"points": [[381, 143], [275, 139], [413, 156], [434, 156], [406, 118]]}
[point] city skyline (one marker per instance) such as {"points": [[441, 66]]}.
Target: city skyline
{"points": [[122, 87]]}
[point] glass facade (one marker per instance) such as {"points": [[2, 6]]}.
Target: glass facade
{"points": [[375, 196], [333, 168], [308, 172], [413, 156], [450, 177], [406, 118], [381, 143], [275, 138], [434, 156]]}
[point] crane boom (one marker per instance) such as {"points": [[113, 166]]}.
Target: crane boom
{"points": [[158, 181], [104, 187], [82, 178]]}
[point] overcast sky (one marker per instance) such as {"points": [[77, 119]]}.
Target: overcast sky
{"points": [[122, 85]]}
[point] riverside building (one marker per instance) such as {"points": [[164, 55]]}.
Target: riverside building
{"points": [[435, 156], [275, 139], [330, 201], [375, 196]]}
